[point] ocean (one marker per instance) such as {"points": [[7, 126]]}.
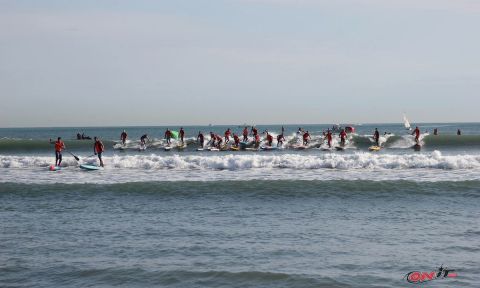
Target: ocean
{"points": [[291, 217]]}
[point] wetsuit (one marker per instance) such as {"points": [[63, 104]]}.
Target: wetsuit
{"points": [[280, 139], [200, 139], [376, 137], [123, 137], [182, 134], [142, 139]]}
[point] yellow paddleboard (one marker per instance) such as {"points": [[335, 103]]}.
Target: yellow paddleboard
{"points": [[374, 148]]}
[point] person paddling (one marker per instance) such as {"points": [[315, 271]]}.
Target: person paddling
{"points": [[280, 139], [59, 146], [254, 132], [417, 134], [343, 137], [143, 139], [200, 139], [168, 135], [329, 138], [182, 134], [98, 149], [219, 141], [376, 137], [236, 139], [269, 139], [123, 137], [245, 134], [257, 140], [306, 136], [212, 139], [227, 136]]}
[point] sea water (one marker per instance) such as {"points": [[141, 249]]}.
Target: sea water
{"points": [[286, 218]]}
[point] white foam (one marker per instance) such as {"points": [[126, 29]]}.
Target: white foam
{"points": [[359, 160]]}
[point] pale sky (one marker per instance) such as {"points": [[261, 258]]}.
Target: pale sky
{"points": [[109, 63]]}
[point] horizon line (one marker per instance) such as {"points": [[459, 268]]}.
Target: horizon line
{"points": [[212, 125]]}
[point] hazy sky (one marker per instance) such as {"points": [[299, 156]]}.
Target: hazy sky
{"points": [[99, 63]]}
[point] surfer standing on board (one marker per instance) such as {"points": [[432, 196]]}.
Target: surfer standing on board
{"points": [[123, 137], [236, 139], [245, 134], [280, 139], [417, 134], [227, 136], [98, 149], [306, 136], [269, 139], [143, 139], [59, 146], [343, 136], [200, 139], [182, 134], [168, 135], [376, 137]]}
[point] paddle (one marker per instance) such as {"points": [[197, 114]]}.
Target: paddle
{"points": [[74, 156]]}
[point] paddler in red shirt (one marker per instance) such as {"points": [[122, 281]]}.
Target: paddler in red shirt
{"points": [[59, 146], [98, 149]]}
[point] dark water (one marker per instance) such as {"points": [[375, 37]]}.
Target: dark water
{"points": [[238, 233]]}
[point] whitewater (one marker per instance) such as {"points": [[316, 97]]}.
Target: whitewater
{"points": [[210, 166]]}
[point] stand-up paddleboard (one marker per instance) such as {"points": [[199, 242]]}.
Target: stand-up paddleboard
{"points": [[417, 147], [54, 168], [340, 148], [299, 147], [251, 149], [243, 145], [90, 167], [224, 148], [200, 149], [181, 147], [268, 148], [374, 148], [167, 148], [213, 149], [233, 148], [326, 149]]}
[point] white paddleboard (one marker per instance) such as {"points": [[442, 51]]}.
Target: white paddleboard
{"points": [[268, 148], [90, 167]]}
